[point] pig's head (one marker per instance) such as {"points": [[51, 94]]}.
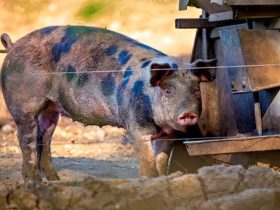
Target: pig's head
{"points": [[176, 88]]}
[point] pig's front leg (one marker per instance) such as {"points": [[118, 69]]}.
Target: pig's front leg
{"points": [[144, 152], [162, 149], [152, 154]]}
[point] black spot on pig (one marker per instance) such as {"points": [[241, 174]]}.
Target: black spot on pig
{"points": [[174, 66], [48, 30], [83, 78], [111, 50], [127, 73], [145, 64], [120, 91], [124, 57], [108, 85], [141, 103], [71, 73], [70, 37]]}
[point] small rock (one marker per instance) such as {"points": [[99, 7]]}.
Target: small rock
{"points": [[7, 128], [3, 196], [111, 131], [221, 178], [95, 134]]}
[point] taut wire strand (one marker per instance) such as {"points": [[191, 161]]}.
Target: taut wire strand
{"points": [[174, 69]]}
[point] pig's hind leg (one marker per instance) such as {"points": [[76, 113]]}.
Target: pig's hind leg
{"points": [[27, 131], [47, 121], [34, 135]]}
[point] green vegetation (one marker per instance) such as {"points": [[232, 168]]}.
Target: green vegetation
{"points": [[91, 9]]}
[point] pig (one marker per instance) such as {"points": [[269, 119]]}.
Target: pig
{"points": [[97, 77]]}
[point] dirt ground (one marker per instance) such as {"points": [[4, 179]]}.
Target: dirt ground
{"points": [[78, 152], [98, 172], [216, 187]]}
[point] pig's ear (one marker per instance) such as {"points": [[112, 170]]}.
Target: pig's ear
{"points": [[159, 72], [199, 68]]}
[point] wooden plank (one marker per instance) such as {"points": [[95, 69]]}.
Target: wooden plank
{"points": [[228, 15], [211, 8], [271, 118], [261, 47], [215, 33], [233, 145], [252, 2], [217, 117], [203, 23], [257, 12], [232, 53]]}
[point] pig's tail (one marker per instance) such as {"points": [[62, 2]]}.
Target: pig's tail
{"points": [[7, 43]]}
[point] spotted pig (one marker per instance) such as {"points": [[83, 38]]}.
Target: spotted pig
{"points": [[97, 77]]}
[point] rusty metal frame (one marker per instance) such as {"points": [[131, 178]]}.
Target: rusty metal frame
{"points": [[233, 40], [252, 47]]}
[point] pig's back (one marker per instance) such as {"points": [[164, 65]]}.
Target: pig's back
{"points": [[90, 48]]}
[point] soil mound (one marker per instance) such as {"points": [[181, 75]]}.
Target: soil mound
{"points": [[215, 187]]}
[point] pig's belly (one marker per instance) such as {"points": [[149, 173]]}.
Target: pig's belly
{"points": [[88, 107]]}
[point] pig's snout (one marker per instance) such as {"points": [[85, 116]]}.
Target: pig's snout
{"points": [[187, 119]]}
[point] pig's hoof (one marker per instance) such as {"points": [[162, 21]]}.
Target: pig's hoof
{"points": [[53, 177], [148, 173], [162, 163], [31, 175], [50, 172]]}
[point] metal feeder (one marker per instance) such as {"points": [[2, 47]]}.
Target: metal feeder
{"points": [[240, 122]]}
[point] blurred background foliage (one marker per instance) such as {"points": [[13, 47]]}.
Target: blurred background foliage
{"points": [[91, 9], [149, 21]]}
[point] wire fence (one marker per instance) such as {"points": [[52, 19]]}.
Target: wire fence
{"points": [[131, 70], [98, 142], [118, 140], [164, 69]]}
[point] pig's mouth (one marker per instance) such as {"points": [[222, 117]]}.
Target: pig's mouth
{"points": [[184, 120], [187, 119], [164, 133]]}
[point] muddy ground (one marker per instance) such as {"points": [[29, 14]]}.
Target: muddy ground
{"points": [[216, 187], [97, 171]]}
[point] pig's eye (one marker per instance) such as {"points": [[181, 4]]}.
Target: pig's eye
{"points": [[168, 91]]}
